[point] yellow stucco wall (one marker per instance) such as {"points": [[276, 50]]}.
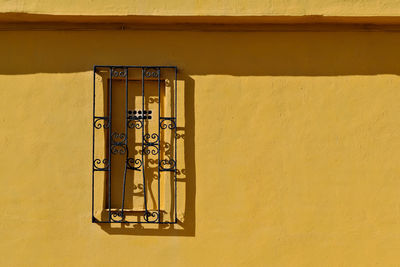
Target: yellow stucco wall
{"points": [[205, 7], [293, 136]]}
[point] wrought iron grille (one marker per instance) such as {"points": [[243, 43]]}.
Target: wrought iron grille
{"points": [[135, 144]]}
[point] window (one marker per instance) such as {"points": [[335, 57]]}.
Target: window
{"points": [[134, 144]]}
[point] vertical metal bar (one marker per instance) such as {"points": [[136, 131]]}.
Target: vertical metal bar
{"points": [[109, 141], [176, 148], [159, 145], [126, 142], [143, 147], [93, 138]]}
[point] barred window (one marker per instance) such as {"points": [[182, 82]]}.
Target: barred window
{"points": [[134, 177]]}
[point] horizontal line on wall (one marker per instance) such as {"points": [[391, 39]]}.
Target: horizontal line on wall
{"points": [[196, 27], [139, 19], [17, 21]]}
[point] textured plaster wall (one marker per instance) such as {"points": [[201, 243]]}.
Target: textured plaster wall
{"points": [[205, 7], [295, 146]]}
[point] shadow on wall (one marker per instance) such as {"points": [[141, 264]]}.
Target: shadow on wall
{"points": [[186, 180], [200, 53], [203, 53]]}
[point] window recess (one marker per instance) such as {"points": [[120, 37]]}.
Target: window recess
{"points": [[134, 177]]}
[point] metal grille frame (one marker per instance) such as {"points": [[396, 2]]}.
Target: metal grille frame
{"points": [[118, 142]]}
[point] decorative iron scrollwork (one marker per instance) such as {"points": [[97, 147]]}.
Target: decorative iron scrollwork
{"points": [[151, 144], [118, 143], [167, 123], [151, 73], [133, 164], [150, 139], [117, 138], [97, 122], [137, 155], [148, 215], [118, 149], [116, 214], [134, 123], [167, 165], [104, 162], [116, 73]]}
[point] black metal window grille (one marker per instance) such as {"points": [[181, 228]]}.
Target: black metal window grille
{"points": [[137, 156]]}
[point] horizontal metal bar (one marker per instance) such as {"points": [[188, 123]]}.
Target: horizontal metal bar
{"points": [[155, 222], [133, 66]]}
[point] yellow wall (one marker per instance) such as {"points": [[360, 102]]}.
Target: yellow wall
{"points": [[293, 141]]}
